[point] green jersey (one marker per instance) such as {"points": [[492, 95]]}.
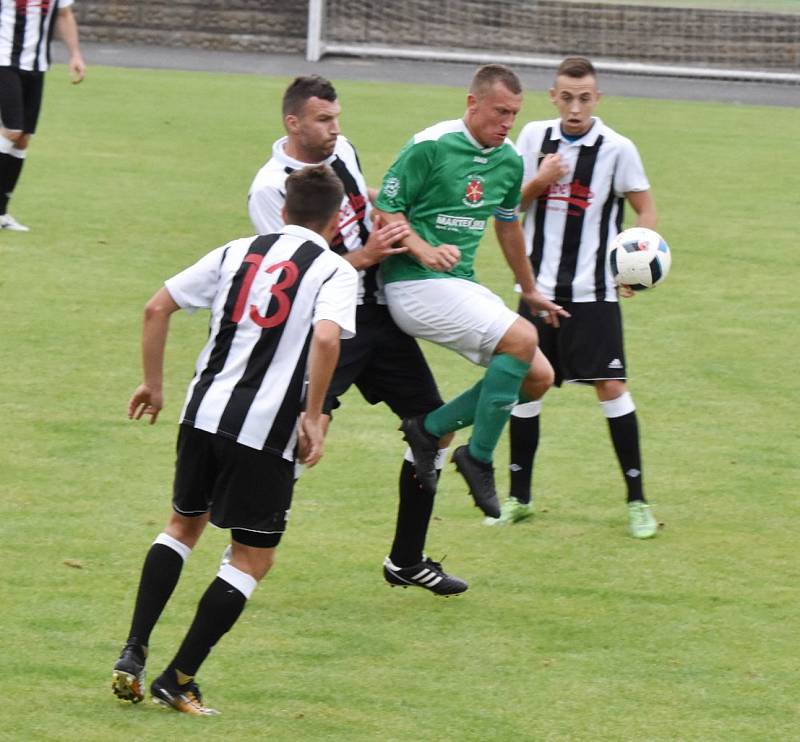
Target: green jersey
{"points": [[448, 186]]}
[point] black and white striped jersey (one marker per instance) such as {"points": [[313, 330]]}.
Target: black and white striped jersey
{"points": [[268, 193], [26, 29], [265, 294], [568, 229]]}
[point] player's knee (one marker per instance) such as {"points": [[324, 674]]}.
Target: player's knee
{"points": [[520, 341], [255, 561], [538, 381], [609, 389], [185, 529]]}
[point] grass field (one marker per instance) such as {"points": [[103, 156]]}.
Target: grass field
{"points": [[570, 630]]}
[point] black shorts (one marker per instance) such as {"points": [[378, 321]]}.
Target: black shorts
{"points": [[244, 489], [587, 346], [386, 365], [20, 98]]}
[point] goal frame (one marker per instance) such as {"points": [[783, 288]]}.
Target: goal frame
{"points": [[317, 46]]}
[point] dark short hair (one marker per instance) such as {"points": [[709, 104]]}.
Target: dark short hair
{"points": [[576, 67], [313, 195], [304, 87], [489, 74]]}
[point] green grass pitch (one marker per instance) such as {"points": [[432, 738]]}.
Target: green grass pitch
{"points": [[571, 630]]}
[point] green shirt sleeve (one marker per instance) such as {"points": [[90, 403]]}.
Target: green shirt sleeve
{"points": [[406, 178], [514, 196]]}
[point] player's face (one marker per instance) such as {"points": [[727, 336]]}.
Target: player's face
{"points": [[315, 129], [491, 114], [575, 99]]}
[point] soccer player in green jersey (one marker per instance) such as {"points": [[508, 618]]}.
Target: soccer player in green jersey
{"points": [[446, 183]]}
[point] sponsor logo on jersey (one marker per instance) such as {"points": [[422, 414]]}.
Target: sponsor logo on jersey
{"points": [[480, 160], [473, 195], [456, 223], [575, 195], [616, 363], [391, 187]]}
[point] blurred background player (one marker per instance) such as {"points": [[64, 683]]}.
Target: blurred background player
{"points": [[279, 304], [578, 175], [384, 363], [26, 28], [446, 183]]}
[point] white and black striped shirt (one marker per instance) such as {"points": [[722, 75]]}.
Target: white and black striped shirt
{"points": [[267, 195], [265, 294], [26, 29], [568, 228]]}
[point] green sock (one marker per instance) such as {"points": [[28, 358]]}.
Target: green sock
{"points": [[500, 392], [456, 414]]}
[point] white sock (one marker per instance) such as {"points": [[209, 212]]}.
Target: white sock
{"points": [[527, 409], [622, 405], [166, 540], [242, 581]]}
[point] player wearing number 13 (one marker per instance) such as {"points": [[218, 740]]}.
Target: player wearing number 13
{"points": [[279, 304]]}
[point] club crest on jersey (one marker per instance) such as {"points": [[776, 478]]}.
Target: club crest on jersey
{"points": [[473, 195]]}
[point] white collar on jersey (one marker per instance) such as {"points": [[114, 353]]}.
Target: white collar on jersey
{"points": [[474, 142], [295, 230], [588, 139], [279, 153]]}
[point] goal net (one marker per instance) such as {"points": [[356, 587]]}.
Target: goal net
{"points": [[643, 39]]}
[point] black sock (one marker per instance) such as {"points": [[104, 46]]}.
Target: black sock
{"points": [[160, 573], [625, 437], [413, 516], [218, 610], [524, 436], [10, 168]]}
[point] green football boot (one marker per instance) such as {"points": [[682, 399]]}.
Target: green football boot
{"points": [[642, 522]]}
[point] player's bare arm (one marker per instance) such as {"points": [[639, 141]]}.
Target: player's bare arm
{"points": [[67, 28], [148, 399], [551, 169], [440, 258], [323, 356], [512, 242], [643, 203], [384, 240]]}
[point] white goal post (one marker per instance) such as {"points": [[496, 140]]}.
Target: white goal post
{"points": [[347, 36]]}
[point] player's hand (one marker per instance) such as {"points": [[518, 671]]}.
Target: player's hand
{"points": [[442, 258], [77, 69], [625, 291], [545, 308], [551, 169], [145, 401], [383, 240], [311, 438]]}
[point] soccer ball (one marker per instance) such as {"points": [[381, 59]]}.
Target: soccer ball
{"points": [[639, 258]]}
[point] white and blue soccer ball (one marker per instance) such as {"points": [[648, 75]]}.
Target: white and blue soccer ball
{"points": [[639, 258]]}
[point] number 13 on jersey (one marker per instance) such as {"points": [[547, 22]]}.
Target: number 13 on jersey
{"points": [[277, 291]]}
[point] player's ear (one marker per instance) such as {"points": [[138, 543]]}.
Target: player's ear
{"points": [[552, 93], [290, 123], [284, 215]]}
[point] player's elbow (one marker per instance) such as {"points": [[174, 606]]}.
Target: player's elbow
{"points": [[160, 304], [326, 335]]}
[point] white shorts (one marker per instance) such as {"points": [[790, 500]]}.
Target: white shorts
{"points": [[461, 315]]}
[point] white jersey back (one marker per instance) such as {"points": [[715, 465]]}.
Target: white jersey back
{"points": [[26, 29], [268, 193], [568, 229], [265, 293]]}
